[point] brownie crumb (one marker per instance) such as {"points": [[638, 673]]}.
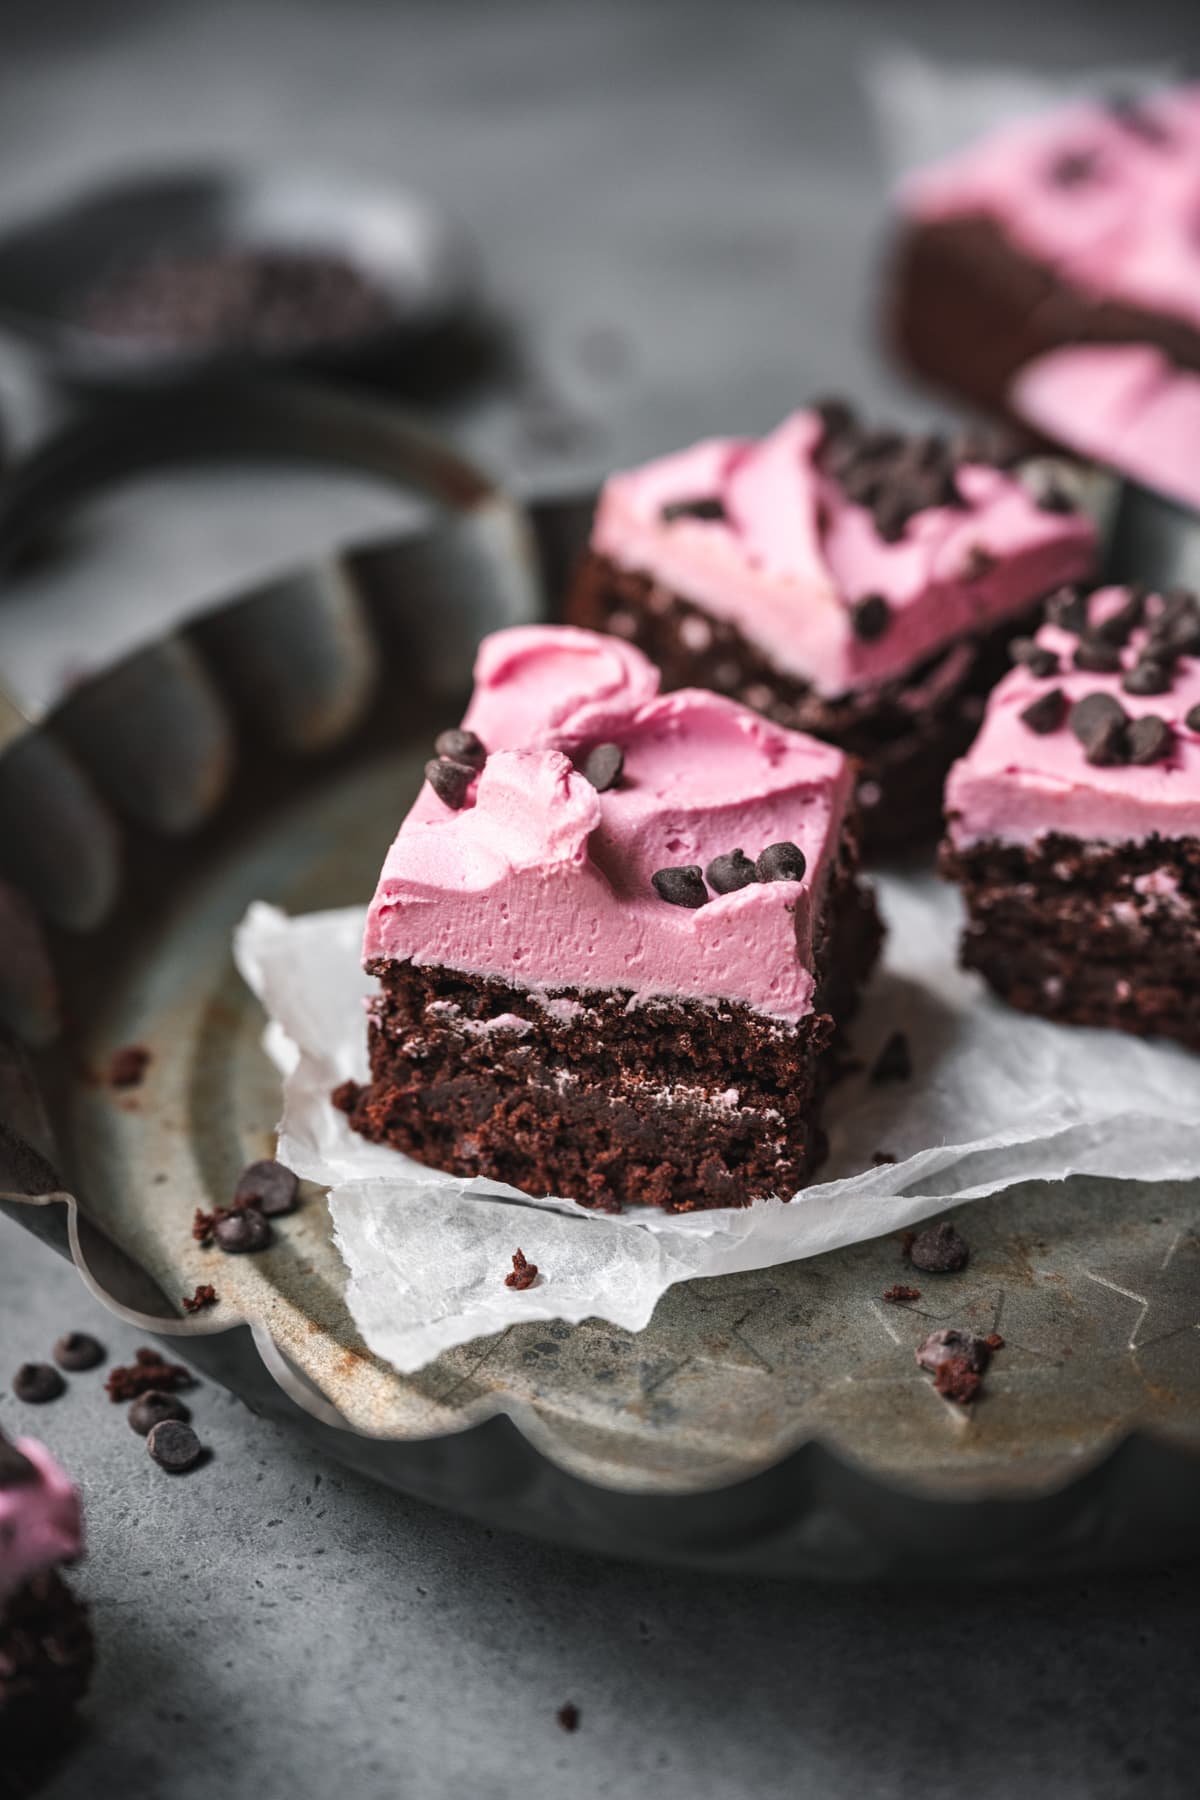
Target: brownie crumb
{"points": [[899, 1291], [681, 887], [205, 1295], [894, 1062], [568, 1716], [1046, 713], [939, 1250], [907, 1240], [77, 1351], [523, 1273], [203, 1226], [956, 1380], [34, 1384], [126, 1067], [994, 1341], [346, 1095], [147, 1371]]}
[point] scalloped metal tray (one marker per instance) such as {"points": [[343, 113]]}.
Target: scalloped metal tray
{"points": [[772, 1421]]}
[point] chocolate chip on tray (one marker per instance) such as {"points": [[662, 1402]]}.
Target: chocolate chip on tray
{"points": [[681, 887], [726, 874], [603, 766], [450, 780], [948, 1342], [174, 1446], [781, 862], [939, 1250], [1046, 713], [36, 1383], [77, 1351], [269, 1186], [241, 1231], [461, 746], [150, 1409]]}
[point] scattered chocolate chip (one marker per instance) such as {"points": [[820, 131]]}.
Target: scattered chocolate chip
{"points": [[1099, 721], [1068, 609], [1034, 657], [450, 781], [956, 1380], [269, 1186], [568, 1716], [1095, 657], [148, 1370], [174, 1446], [994, 1341], [461, 746], [726, 874], [869, 617], [977, 563], [1146, 677], [1074, 167], [523, 1273], [76, 1351], [16, 1470], [681, 887], [1176, 626], [939, 1250], [1148, 739], [899, 1292], [127, 1066], [603, 766], [152, 1407], [1046, 713], [241, 1230], [205, 1295], [704, 506], [1192, 719], [781, 862], [36, 1383], [894, 1062], [1115, 629]]}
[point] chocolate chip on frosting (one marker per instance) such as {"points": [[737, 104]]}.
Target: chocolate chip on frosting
{"points": [[1115, 629], [1067, 609], [462, 747], [1046, 713], [1192, 719], [870, 617], [1148, 739], [450, 781], [701, 506], [603, 765], [1176, 626], [726, 874], [781, 862], [681, 887], [1147, 676], [1099, 722], [1034, 656], [1095, 657]]}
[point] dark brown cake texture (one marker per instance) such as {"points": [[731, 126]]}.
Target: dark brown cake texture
{"points": [[46, 1657]]}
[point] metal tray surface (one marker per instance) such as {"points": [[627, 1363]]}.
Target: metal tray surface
{"points": [[773, 1421]]}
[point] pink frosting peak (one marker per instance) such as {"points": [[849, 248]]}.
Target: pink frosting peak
{"points": [[792, 554], [41, 1522], [544, 881], [1015, 785]]}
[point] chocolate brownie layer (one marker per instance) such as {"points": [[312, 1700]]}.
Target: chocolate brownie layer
{"points": [[905, 733], [1089, 934], [967, 309], [675, 1103], [46, 1656]]}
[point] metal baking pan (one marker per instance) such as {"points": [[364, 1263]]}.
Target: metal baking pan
{"points": [[765, 1422]]}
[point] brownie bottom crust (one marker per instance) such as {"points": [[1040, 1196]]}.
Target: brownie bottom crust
{"points": [[1087, 934], [904, 733], [674, 1103], [46, 1655]]}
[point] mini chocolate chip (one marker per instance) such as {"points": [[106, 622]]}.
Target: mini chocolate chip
{"points": [[461, 746], [870, 617], [1099, 721], [242, 1231], [681, 887], [726, 874], [603, 766], [268, 1186], [35, 1383], [894, 1062], [174, 1446], [16, 1470], [1068, 609], [940, 1346], [1146, 677], [449, 780], [1095, 657], [703, 506], [1046, 713], [1034, 656], [1115, 629], [781, 862], [152, 1407], [939, 1250], [1052, 497], [1149, 739], [76, 1351], [1192, 719]]}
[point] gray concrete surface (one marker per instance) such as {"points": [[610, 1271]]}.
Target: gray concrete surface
{"points": [[702, 181]]}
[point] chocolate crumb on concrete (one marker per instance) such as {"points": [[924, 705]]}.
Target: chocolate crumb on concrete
{"points": [[148, 1370], [568, 1716], [523, 1273], [956, 1380], [127, 1066], [174, 1446], [899, 1291], [205, 1295], [939, 1250], [241, 1230]]}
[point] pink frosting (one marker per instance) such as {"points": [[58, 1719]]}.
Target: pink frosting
{"points": [[792, 554], [41, 1523], [544, 882], [1015, 786], [1127, 405], [1124, 230]]}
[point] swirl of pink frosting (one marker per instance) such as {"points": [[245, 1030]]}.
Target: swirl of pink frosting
{"points": [[544, 881], [1014, 786], [1107, 199], [41, 1522], [792, 554]]}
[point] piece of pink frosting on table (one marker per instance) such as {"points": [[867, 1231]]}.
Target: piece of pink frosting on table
{"points": [[793, 555], [543, 881], [41, 1522]]}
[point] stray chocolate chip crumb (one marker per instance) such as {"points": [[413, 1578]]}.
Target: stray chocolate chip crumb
{"points": [[681, 887], [1148, 739], [151, 1408], [77, 1351], [994, 1341], [205, 1295], [345, 1097], [956, 1380], [1095, 657], [894, 1062], [450, 781], [568, 1716], [523, 1273], [241, 1230], [899, 1292], [939, 1250], [203, 1226], [950, 1341], [36, 1383], [977, 563], [461, 747], [781, 862], [870, 617], [1034, 656], [174, 1446], [726, 874], [126, 1067], [268, 1185], [147, 1371], [1099, 721], [1068, 609], [704, 506], [603, 766], [1046, 713]]}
